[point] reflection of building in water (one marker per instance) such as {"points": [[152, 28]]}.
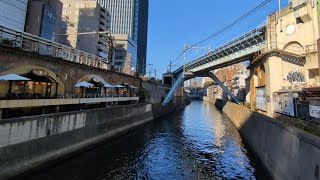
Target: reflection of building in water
{"points": [[16, 132]]}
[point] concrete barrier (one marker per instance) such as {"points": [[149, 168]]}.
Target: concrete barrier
{"points": [[32, 142], [286, 152], [27, 143]]}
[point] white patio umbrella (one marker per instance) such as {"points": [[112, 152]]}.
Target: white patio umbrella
{"points": [[133, 89], [108, 86], [11, 78], [82, 85], [119, 86]]}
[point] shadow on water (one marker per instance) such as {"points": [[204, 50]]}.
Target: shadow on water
{"points": [[197, 142]]}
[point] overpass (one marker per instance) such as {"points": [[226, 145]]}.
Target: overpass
{"points": [[240, 49]]}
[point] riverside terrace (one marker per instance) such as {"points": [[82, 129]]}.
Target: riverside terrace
{"points": [[30, 97], [52, 75]]}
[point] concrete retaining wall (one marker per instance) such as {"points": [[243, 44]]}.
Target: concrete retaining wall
{"points": [[28, 143], [32, 142], [286, 152]]}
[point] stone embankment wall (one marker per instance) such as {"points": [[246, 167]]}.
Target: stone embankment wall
{"points": [[286, 152], [156, 92]]}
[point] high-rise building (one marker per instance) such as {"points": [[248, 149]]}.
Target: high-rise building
{"points": [[13, 14], [125, 55], [84, 18], [44, 18], [130, 17], [142, 39]]}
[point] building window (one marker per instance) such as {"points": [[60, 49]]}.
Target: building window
{"points": [[77, 5], [76, 12], [64, 12], [82, 5]]}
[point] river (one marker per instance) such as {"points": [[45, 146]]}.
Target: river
{"points": [[197, 142]]}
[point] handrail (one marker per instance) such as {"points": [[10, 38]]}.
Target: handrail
{"points": [[15, 96], [29, 42], [246, 37]]}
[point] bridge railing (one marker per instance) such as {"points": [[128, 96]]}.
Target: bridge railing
{"points": [[257, 35], [32, 43]]}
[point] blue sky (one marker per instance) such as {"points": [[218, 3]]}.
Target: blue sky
{"points": [[173, 23]]}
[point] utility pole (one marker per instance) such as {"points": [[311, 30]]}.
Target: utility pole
{"points": [[280, 18], [185, 48], [149, 70], [155, 73]]}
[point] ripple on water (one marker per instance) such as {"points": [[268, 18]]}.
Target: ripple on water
{"points": [[195, 143]]}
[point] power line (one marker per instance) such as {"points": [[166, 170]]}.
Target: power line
{"points": [[264, 3], [233, 23]]}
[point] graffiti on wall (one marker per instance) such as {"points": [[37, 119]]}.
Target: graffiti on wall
{"points": [[314, 111], [295, 77], [283, 103], [261, 98]]}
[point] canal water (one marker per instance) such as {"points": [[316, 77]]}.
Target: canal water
{"points": [[197, 142]]}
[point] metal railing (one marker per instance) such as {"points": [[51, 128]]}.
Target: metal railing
{"points": [[32, 43], [257, 35], [251, 38], [21, 96], [72, 96]]}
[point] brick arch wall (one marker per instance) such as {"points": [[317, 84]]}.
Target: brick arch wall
{"points": [[69, 72]]}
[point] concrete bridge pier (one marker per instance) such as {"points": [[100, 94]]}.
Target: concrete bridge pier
{"points": [[175, 89], [226, 89]]}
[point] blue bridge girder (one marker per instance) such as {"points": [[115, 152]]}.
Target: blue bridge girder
{"points": [[235, 51], [240, 49]]}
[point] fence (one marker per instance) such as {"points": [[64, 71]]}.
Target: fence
{"points": [[31, 43]]}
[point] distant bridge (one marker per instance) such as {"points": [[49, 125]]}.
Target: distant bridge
{"points": [[240, 49]]}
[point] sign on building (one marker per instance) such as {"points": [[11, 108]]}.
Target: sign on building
{"points": [[314, 111], [284, 103], [261, 98]]}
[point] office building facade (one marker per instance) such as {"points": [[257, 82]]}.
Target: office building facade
{"points": [[13, 14], [44, 18], [125, 54], [130, 17], [142, 35], [82, 19]]}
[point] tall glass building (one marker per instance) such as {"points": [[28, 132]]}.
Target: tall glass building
{"points": [[130, 17], [13, 14]]}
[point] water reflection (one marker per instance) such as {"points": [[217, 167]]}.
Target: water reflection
{"points": [[21, 131], [195, 143]]}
